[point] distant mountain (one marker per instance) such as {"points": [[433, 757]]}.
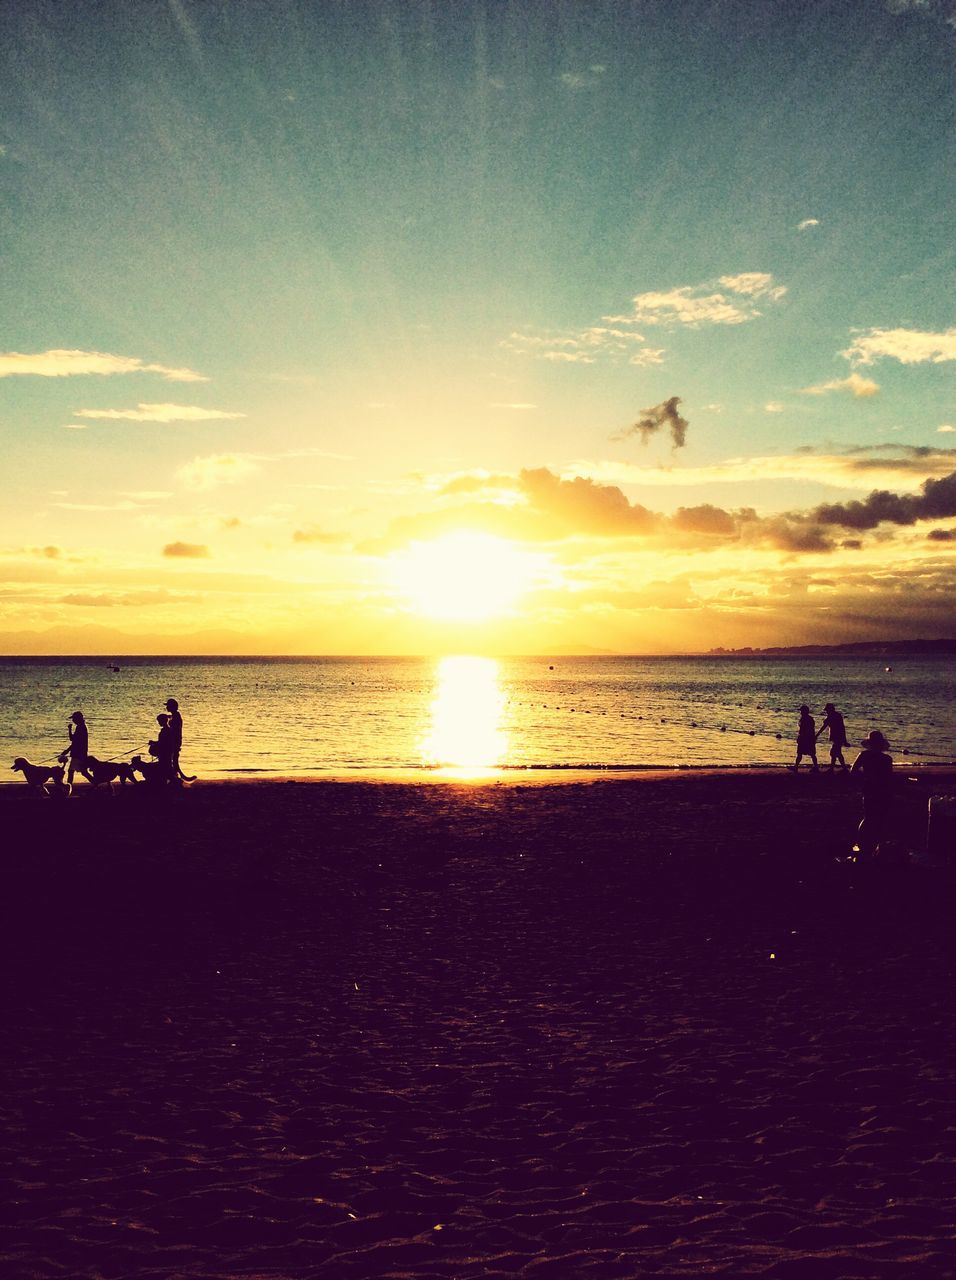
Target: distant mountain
{"points": [[876, 648]]}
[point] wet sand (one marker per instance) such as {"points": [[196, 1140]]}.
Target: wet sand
{"points": [[619, 1028]]}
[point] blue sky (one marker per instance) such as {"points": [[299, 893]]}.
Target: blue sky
{"points": [[390, 245]]}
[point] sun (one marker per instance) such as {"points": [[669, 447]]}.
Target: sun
{"points": [[465, 576]]}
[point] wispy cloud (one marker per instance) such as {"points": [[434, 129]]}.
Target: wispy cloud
{"points": [[946, 427], [909, 346], [807, 223], [774, 406], [61, 363], [585, 346], [696, 305], [212, 470], [903, 466], [215, 470], [186, 550], [312, 534], [128, 599], [663, 416], [860, 387], [158, 413], [518, 404]]}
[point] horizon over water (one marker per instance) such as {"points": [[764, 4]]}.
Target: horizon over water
{"points": [[471, 716]]}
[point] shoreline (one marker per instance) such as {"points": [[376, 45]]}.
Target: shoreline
{"points": [[547, 775]]}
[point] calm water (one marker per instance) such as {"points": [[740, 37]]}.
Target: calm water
{"points": [[474, 714]]}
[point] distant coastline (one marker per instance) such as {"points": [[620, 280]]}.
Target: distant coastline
{"points": [[859, 648], [863, 648]]}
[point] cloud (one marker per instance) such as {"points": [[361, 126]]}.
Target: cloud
{"points": [[696, 305], [946, 428], [126, 504], [217, 469], [65, 364], [556, 508], [159, 413], [774, 406], [46, 553], [942, 535], [497, 404], [909, 346], [856, 468], [127, 599], [705, 519], [311, 534], [861, 388], [807, 223], [652, 420], [584, 346], [936, 500], [754, 284], [581, 505], [186, 550], [692, 306]]}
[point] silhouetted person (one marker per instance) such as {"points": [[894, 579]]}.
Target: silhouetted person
{"points": [[79, 748], [833, 720], [876, 769], [176, 737], [162, 748], [806, 739]]}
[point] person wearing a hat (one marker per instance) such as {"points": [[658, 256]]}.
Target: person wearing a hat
{"points": [[833, 720], [875, 766]]}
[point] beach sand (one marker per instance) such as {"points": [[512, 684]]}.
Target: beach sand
{"points": [[610, 1029]]}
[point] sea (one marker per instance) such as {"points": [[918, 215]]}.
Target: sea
{"points": [[470, 716]]}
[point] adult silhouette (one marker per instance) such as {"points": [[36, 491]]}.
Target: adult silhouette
{"points": [[79, 749], [875, 766], [806, 739], [833, 721]]}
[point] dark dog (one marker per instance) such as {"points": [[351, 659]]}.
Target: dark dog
{"points": [[37, 775], [153, 771], [108, 772]]}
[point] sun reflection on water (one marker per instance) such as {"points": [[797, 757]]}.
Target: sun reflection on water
{"points": [[466, 737]]}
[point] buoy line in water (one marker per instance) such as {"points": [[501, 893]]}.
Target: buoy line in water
{"points": [[652, 717]]}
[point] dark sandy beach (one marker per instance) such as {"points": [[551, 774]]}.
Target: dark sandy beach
{"points": [[611, 1029]]}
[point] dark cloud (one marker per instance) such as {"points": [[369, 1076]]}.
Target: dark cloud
{"points": [[186, 550], [935, 501], [851, 544], [655, 419], [793, 534], [230, 522], [942, 535]]}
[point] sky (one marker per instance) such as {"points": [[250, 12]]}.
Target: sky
{"points": [[519, 327]]}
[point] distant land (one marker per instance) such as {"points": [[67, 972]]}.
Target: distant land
{"points": [[877, 648]]}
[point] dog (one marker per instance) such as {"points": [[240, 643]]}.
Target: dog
{"points": [[108, 772], [38, 776], [153, 771]]}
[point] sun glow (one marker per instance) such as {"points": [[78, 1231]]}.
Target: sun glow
{"points": [[465, 576], [466, 737]]}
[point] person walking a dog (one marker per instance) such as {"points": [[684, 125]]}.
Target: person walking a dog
{"points": [[162, 748], [79, 748]]}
